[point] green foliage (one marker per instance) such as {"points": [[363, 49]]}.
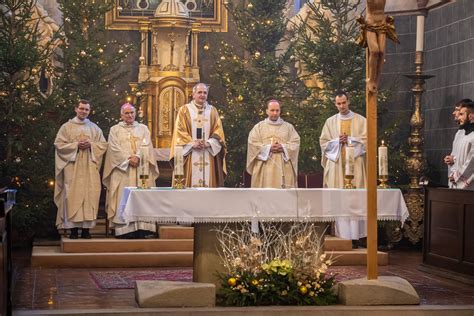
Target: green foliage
{"points": [[91, 61], [275, 284], [26, 127], [253, 72], [325, 44]]}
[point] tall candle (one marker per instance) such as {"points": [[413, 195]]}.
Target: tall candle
{"points": [[144, 165], [420, 32], [178, 161], [349, 161], [383, 160]]}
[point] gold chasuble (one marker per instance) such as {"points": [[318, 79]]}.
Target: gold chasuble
{"points": [[333, 152], [333, 158], [273, 170], [77, 186], [202, 167], [126, 141]]}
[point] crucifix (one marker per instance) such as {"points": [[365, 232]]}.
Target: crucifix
{"points": [[374, 30]]}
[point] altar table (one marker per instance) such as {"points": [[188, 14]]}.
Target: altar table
{"points": [[211, 208], [220, 205]]}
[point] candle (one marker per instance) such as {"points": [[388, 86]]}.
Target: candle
{"points": [[178, 161], [349, 161], [420, 32], [383, 160], [144, 165]]}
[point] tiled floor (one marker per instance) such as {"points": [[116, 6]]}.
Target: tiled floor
{"points": [[37, 288]]}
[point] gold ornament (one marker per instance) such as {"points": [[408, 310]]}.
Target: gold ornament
{"points": [[206, 46], [232, 281], [34, 71], [250, 5], [83, 53], [303, 290], [254, 282], [101, 50], [257, 54], [240, 98]]}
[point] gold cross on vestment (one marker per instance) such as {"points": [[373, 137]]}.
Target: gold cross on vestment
{"points": [[82, 137], [133, 142], [200, 120], [201, 163], [200, 184]]}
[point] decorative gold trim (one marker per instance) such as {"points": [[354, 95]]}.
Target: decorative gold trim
{"points": [[217, 24]]}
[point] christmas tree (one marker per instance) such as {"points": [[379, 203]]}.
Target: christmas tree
{"points": [[325, 44], [251, 73], [330, 61], [26, 151], [92, 63]]}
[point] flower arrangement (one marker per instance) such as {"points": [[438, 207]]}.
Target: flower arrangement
{"points": [[279, 265]]}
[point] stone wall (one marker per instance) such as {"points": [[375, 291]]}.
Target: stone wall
{"points": [[449, 56]]}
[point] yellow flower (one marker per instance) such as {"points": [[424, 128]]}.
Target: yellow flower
{"points": [[254, 282], [232, 281], [303, 290]]}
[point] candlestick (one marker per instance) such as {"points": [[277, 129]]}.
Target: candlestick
{"points": [[144, 168], [383, 160], [349, 168]]}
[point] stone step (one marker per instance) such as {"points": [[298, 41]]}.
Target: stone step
{"points": [[355, 257], [176, 232], [333, 243], [108, 245], [52, 257]]}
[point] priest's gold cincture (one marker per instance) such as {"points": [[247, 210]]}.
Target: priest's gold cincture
{"points": [[383, 166], [144, 168], [349, 167], [178, 168]]}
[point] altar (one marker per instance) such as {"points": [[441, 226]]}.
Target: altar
{"points": [[210, 208]]}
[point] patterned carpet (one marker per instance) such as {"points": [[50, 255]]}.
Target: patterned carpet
{"points": [[126, 279]]}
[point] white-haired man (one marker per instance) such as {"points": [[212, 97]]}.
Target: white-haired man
{"points": [[198, 128], [126, 139]]}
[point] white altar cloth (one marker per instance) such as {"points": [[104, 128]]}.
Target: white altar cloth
{"points": [[219, 205]]}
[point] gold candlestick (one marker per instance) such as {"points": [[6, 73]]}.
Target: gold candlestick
{"points": [[144, 181], [179, 182], [348, 182], [383, 182]]}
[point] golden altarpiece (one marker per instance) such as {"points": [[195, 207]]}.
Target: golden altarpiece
{"points": [[168, 62]]}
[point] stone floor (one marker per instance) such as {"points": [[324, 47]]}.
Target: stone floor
{"points": [[37, 288]]}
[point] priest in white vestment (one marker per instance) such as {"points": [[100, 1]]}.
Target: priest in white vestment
{"points": [[198, 130], [272, 152], [340, 130], [80, 146], [450, 159], [128, 142], [462, 172]]}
